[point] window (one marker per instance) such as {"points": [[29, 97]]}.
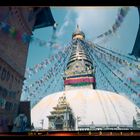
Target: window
{"points": [[12, 94], [15, 106], [15, 79], [1, 91], [8, 76], [4, 92], [8, 106], [3, 74], [2, 103]]}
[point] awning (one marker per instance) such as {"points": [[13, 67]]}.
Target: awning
{"points": [[136, 48], [44, 18]]}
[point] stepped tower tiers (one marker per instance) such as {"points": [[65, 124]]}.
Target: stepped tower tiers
{"points": [[61, 117], [79, 72]]}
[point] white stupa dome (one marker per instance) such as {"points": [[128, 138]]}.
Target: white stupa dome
{"points": [[98, 106]]}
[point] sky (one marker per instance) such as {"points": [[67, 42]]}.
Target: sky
{"points": [[93, 21]]}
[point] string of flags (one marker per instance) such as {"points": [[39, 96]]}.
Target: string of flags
{"points": [[116, 75], [13, 32], [133, 68], [52, 72], [108, 81], [57, 81], [36, 85], [101, 55], [120, 60], [104, 56], [90, 51], [122, 12], [117, 53], [127, 90], [117, 60], [43, 64], [24, 37], [48, 88]]}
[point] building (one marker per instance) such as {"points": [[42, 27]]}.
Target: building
{"points": [[61, 117], [137, 120], [93, 109], [25, 108], [16, 26]]}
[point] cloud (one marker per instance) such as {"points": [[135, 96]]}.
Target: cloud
{"points": [[94, 21], [66, 23]]}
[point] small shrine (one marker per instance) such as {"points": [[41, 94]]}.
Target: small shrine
{"points": [[138, 119], [61, 117]]}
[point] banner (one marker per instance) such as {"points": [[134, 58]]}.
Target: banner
{"points": [[79, 80]]}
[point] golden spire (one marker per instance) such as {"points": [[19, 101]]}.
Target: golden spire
{"points": [[78, 29]]}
